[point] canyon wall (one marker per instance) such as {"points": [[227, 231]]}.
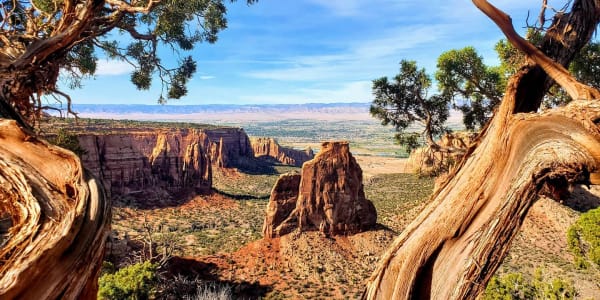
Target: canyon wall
{"points": [[268, 147], [172, 159]]}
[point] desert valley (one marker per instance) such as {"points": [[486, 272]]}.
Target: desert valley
{"points": [[308, 149], [208, 203]]}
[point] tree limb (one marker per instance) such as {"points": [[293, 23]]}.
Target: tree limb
{"points": [[560, 74], [126, 7]]}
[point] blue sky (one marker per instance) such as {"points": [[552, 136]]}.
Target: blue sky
{"points": [[285, 51]]}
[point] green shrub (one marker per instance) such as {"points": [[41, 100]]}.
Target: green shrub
{"points": [[583, 238], [507, 287], [132, 282], [514, 287], [67, 140]]}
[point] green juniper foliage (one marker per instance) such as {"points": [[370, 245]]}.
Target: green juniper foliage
{"points": [[514, 286], [45, 39], [467, 84], [133, 282], [404, 101]]}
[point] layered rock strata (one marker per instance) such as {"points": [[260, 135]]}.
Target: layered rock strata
{"points": [[171, 159], [330, 199], [268, 147]]}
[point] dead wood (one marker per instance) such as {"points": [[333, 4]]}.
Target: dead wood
{"points": [[56, 220]]}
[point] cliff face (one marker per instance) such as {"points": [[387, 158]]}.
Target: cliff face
{"points": [[228, 146], [268, 147], [172, 159], [282, 202], [330, 197]]}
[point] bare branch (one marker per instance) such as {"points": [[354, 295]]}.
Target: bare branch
{"points": [[69, 102], [136, 35], [542, 16]]}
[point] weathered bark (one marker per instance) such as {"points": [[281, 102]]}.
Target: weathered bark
{"points": [[54, 220], [568, 33], [452, 249], [29, 65], [455, 245]]}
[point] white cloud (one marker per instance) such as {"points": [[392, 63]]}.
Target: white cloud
{"points": [[112, 67], [206, 77], [367, 57]]}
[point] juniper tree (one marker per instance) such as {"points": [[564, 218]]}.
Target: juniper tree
{"points": [[404, 101], [41, 40], [452, 249]]}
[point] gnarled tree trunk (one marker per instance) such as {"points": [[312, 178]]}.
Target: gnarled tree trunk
{"points": [[455, 245], [54, 220]]}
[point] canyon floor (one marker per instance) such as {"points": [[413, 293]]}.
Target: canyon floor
{"points": [[217, 237]]}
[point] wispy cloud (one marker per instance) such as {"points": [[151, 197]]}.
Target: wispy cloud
{"points": [[366, 57], [321, 50], [112, 68]]}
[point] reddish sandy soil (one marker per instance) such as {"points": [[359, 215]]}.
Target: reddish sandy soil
{"points": [[312, 266]]}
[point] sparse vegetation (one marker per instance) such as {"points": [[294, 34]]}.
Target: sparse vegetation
{"points": [[515, 286], [397, 197], [583, 239], [68, 140], [53, 125], [249, 186], [212, 292], [136, 281]]}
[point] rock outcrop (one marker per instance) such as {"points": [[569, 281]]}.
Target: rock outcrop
{"points": [[54, 220], [268, 147], [228, 146], [330, 199], [170, 159], [430, 162], [282, 201], [167, 159]]}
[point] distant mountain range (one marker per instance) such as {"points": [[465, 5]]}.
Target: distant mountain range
{"points": [[220, 108], [239, 114]]}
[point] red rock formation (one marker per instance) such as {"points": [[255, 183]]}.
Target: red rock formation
{"points": [[282, 202], [172, 159], [268, 147], [331, 197], [168, 159], [228, 146]]}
